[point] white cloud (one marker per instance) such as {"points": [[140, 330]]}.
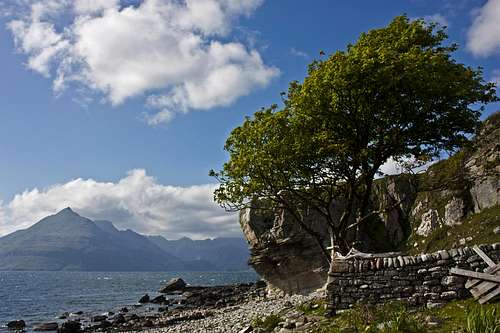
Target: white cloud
{"points": [[137, 202], [299, 53], [437, 18], [483, 37], [165, 49], [394, 167], [94, 6]]}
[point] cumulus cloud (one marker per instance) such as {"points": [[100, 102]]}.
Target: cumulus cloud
{"points": [[483, 37], [171, 51], [137, 201], [395, 167]]}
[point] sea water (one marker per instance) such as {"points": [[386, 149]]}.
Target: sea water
{"points": [[44, 296]]}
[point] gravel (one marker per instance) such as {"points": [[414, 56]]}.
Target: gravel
{"points": [[234, 318]]}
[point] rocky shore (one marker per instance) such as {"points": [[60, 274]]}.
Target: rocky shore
{"points": [[180, 308]]}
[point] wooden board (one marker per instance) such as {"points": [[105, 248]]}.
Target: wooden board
{"points": [[482, 288], [490, 296], [483, 255], [476, 275], [490, 270]]}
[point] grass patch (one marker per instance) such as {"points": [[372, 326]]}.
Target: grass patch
{"points": [[313, 308], [476, 229], [464, 316], [268, 323]]}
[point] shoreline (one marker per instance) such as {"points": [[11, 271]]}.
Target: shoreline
{"points": [[182, 308]]}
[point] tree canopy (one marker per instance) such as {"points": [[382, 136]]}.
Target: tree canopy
{"points": [[395, 93]]}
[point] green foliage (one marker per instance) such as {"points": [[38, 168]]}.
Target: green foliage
{"points": [[391, 317], [459, 316], [482, 320], [448, 173], [269, 323], [315, 308], [395, 93]]}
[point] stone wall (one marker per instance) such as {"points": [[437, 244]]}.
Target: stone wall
{"points": [[420, 280]]}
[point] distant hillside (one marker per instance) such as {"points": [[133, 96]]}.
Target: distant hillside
{"points": [[221, 253], [68, 241]]}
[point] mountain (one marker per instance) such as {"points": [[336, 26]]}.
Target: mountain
{"points": [[68, 241], [221, 253]]}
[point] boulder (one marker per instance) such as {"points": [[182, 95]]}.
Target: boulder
{"points": [[70, 327], [16, 325], [99, 318], [144, 299], [46, 327], [175, 284], [102, 325], [118, 320], [159, 300], [64, 315]]}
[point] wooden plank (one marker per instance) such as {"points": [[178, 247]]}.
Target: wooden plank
{"points": [[476, 275], [494, 293], [483, 255], [490, 270], [482, 289]]}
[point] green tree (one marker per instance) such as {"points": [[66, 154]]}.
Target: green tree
{"points": [[396, 93]]}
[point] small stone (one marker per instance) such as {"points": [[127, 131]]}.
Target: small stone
{"points": [[289, 324], [496, 231], [16, 325], [46, 327], [401, 261], [432, 296], [247, 329], [447, 295], [99, 318], [435, 305], [431, 283], [443, 254], [432, 321]]}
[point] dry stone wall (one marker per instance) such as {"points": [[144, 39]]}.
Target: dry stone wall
{"points": [[423, 280]]}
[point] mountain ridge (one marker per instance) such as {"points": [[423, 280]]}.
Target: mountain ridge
{"points": [[68, 241]]}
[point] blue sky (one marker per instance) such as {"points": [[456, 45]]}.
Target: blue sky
{"points": [[129, 137]]}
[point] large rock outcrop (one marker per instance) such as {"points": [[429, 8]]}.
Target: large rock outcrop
{"points": [[447, 193]]}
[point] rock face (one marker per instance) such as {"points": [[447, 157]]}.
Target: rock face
{"points": [[468, 182], [281, 253]]}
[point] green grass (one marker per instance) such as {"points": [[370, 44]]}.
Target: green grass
{"points": [[268, 323], [482, 320], [464, 316], [478, 226], [313, 308]]}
